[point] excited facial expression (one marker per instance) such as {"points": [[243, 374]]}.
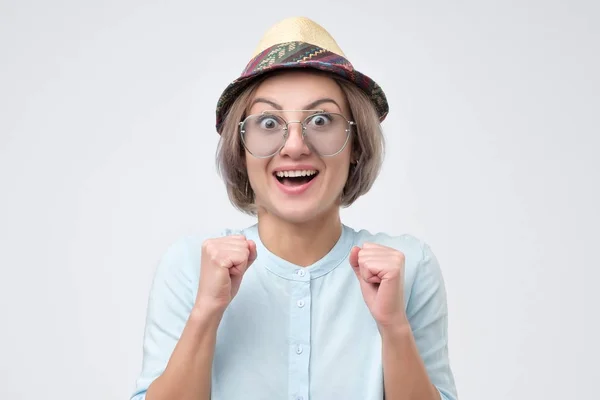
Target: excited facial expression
{"points": [[302, 180]]}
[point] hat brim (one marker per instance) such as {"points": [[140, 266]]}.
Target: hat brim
{"points": [[327, 62]]}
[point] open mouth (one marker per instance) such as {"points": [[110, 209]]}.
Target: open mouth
{"points": [[295, 178]]}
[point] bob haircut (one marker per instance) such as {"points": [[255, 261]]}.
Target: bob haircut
{"points": [[367, 146]]}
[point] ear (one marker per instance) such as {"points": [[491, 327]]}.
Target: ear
{"points": [[354, 155]]}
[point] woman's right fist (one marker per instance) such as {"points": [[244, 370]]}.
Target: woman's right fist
{"points": [[224, 261]]}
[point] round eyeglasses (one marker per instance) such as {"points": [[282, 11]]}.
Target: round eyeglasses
{"points": [[325, 133]]}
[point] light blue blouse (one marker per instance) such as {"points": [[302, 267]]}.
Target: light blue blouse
{"points": [[298, 333]]}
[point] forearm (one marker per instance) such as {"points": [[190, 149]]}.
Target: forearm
{"points": [[404, 373], [187, 375]]}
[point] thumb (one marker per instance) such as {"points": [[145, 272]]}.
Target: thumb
{"points": [[252, 248], [354, 258]]}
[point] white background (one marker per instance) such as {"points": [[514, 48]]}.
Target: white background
{"points": [[107, 146]]}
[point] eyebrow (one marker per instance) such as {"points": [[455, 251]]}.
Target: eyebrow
{"points": [[309, 106]]}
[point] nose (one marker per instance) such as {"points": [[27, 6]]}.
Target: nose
{"points": [[295, 146]]}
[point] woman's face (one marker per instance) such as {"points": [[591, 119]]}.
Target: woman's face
{"points": [[304, 198]]}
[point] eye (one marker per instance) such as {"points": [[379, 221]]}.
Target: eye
{"points": [[269, 122], [319, 120]]}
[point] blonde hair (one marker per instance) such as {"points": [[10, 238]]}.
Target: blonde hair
{"points": [[368, 147]]}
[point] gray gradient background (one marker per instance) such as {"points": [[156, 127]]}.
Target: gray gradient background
{"points": [[106, 157]]}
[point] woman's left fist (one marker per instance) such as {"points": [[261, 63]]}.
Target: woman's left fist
{"points": [[380, 271]]}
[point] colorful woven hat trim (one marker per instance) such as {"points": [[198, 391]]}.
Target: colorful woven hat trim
{"points": [[300, 55]]}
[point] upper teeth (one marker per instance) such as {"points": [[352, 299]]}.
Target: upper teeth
{"points": [[306, 172]]}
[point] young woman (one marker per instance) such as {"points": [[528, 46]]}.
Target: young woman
{"points": [[298, 306]]}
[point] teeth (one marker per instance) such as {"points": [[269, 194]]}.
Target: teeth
{"points": [[288, 174]]}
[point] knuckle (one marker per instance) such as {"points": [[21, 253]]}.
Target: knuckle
{"points": [[209, 245], [213, 256]]}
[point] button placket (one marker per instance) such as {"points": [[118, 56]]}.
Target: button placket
{"points": [[300, 327]]}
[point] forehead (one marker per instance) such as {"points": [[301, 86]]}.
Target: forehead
{"points": [[295, 89]]}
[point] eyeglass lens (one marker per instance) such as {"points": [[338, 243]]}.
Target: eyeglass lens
{"points": [[264, 135]]}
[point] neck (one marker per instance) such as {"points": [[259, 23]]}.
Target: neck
{"points": [[302, 244]]}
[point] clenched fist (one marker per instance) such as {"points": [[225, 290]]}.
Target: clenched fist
{"points": [[224, 261], [380, 272]]}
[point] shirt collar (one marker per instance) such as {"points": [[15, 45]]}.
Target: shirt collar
{"points": [[285, 269]]}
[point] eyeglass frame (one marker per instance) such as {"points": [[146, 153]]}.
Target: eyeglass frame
{"points": [[285, 130]]}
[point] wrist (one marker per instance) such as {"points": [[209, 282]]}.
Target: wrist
{"points": [[207, 314], [395, 330], [209, 305]]}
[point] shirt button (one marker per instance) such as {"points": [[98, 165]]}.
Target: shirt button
{"points": [[300, 303], [301, 272], [299, 349], [299, 398]]}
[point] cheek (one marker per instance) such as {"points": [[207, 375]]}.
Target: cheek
{"points": [[338, 174], [256, 168], [341, 167]]}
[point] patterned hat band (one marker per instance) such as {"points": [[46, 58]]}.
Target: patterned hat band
{"points": [[299, 54]]}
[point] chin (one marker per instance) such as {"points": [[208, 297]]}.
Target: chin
{"points": [[299, 212]]}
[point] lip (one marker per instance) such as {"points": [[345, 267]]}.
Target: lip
{"points": [[294, 190]]}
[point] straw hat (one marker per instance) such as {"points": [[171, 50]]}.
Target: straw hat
{"points": [[299, 42]]}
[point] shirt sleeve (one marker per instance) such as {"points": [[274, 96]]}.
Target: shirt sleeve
{"points": [[170, 303], [427, 312]]}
